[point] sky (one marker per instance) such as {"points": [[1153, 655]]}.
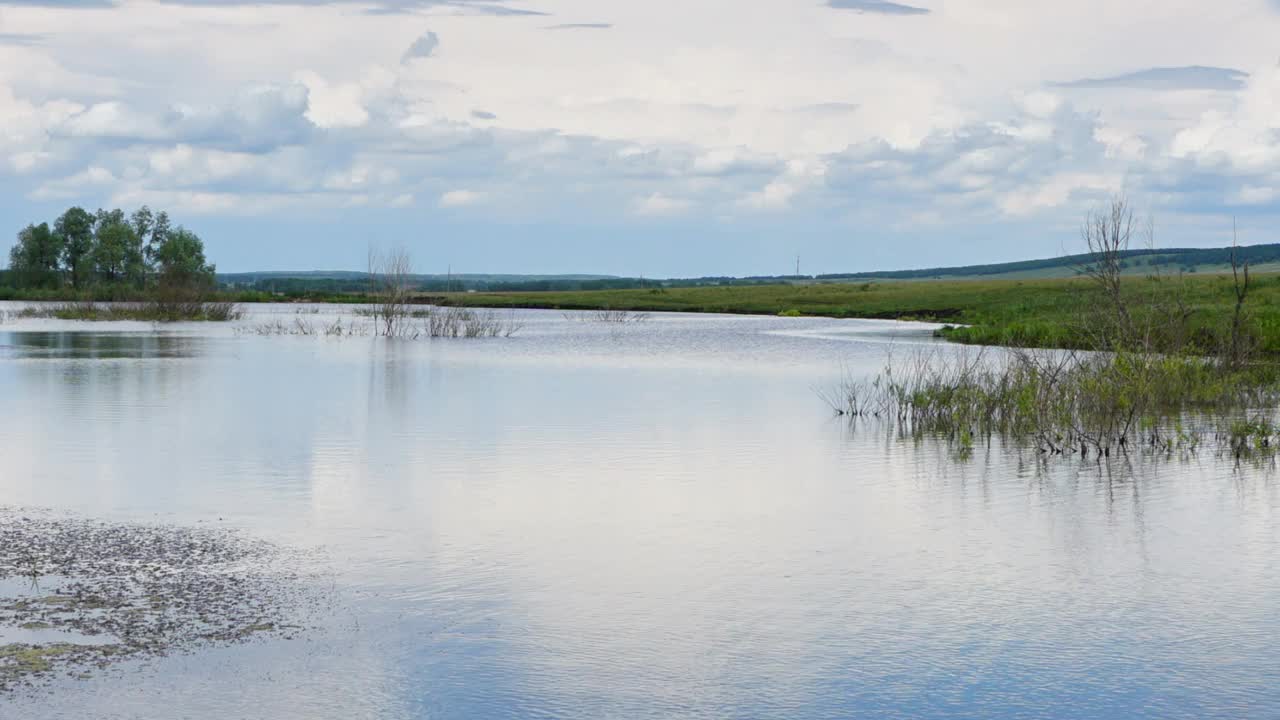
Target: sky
{"points": [[655, 138]]}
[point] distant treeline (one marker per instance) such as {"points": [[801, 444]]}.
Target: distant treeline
{"points": [[1188, 259], [363, 283], [107, 253]]}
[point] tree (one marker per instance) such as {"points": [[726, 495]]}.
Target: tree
{"points": [[75, 228], [111, 247], [117, 250], [390, 276], [113, 241], [160, 229], [142, 221], [35, 257], [181, 263]]}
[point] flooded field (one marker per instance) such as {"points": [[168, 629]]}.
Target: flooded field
{"points": [[590, 519]]}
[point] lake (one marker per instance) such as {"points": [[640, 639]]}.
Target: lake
{"points": [[641, 520]]}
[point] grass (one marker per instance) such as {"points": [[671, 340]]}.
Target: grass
{"points": [[1027, 313], [18, 660]]}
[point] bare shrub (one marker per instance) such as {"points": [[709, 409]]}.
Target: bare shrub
{"points": [[390, 280], [339, 329], [1240, 341], [301, 326], [454, 322], [608, 315], [1108, 233], [620, 316], [1151, 314]]}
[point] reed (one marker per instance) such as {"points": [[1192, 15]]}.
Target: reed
{"points": [[1068, 402], [149, 311]]}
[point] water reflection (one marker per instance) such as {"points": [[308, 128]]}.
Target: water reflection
{"points": [[665, 523], [75, 344]]}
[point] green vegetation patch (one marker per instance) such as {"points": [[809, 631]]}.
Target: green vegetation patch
{"points": [[1065, 403], [1053, 313]]}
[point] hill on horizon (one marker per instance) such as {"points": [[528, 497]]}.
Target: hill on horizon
{"points": [[1263, 258]]}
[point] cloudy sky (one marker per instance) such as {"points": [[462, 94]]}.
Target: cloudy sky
{"points": [[658, 137]]}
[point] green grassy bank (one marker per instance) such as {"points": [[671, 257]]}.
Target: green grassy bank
{"points": [[1029, 313]]}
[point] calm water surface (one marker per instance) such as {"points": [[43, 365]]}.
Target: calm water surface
{"points": [[650, 521]]}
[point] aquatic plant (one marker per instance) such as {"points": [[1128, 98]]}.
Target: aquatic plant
{"points": [[150, 311], [1068, 402], [447, 322]]}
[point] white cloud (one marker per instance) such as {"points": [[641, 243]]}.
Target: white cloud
{"points": [[1041, 104], [333, 105], [183, 163], [1057, 190], [774, 196], [1255, 195], [113, 120], [778, 193], [1245, 138], [459, 198], [27, 161], [71, 187], [658, 205]]}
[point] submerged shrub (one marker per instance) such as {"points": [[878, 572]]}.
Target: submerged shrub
{"points": [[305, 327], [453, 322], [609, 316]]}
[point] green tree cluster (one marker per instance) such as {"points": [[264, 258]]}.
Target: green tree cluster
{"points": [[82, 249]]}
